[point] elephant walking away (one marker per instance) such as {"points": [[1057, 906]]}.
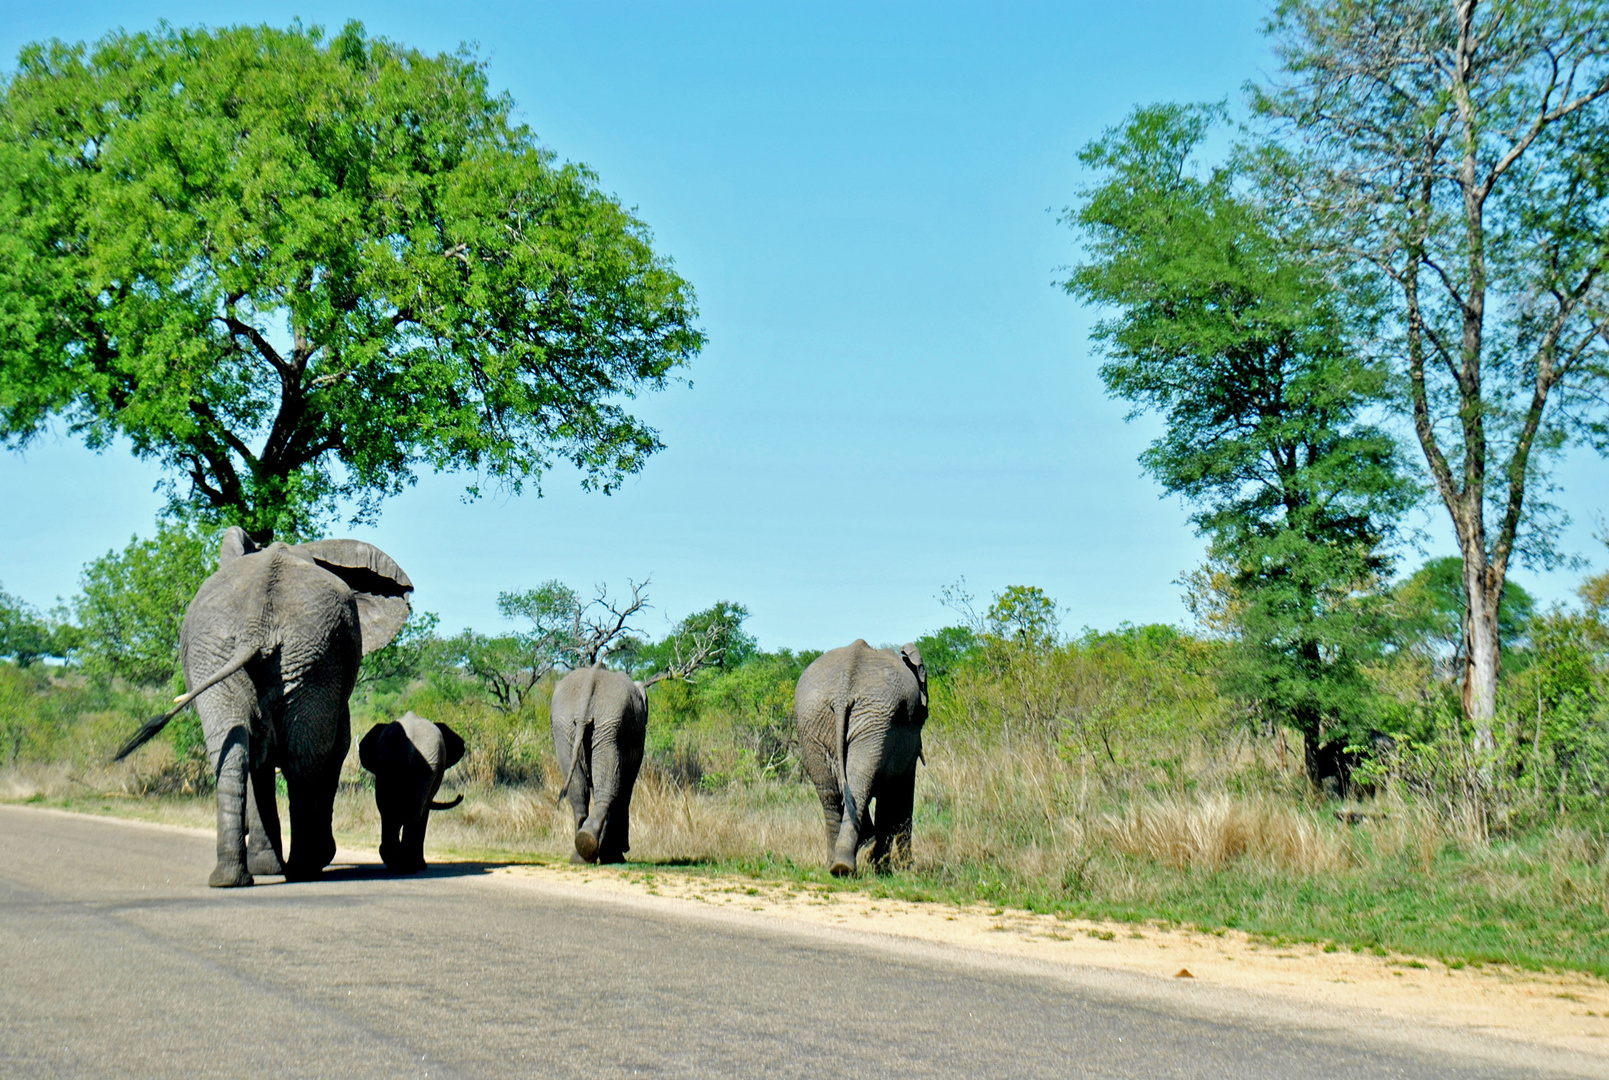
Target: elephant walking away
{"points": [[860, 712], [270, 647], [408, 757], [600, 720]]}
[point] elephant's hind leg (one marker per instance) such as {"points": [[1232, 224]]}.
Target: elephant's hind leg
{"points": [[264, 853], [231, 870]]}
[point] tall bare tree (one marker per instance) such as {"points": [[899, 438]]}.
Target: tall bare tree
{"points": [[1456, 156]]}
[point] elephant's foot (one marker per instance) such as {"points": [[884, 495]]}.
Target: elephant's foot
{"points": [[265, 863], [842, 868], [611, 857], [586, 845], [295, 872], [230, 875]]}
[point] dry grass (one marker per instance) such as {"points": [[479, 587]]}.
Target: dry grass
{"points": [[1210, 833]]}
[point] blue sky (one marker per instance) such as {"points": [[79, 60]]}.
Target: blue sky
{"points": [[894, 393]]}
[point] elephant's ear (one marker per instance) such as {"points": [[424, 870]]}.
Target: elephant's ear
{"points": [[452, 746], [235, 544], [369, 748], [913, 660], [380, 585]]}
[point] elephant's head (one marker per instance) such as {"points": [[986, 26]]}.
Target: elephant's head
{"points": [[408, 757], [913, 660]]}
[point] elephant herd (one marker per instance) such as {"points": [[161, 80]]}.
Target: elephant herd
{"points": [[271, 645]]}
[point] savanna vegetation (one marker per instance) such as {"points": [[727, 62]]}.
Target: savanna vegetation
{"points": [[1126, 774], [1389, 291]]}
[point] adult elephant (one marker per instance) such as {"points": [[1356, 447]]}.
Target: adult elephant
{"points": [[270, 647], [600, 720], [860, 713]]}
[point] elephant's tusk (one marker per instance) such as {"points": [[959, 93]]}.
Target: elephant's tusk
{"points": [[447, 805]]}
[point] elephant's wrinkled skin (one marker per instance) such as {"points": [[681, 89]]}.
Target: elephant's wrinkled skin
{"points": [[407, 758], [600, 719], [270, 647], [860, 713]]}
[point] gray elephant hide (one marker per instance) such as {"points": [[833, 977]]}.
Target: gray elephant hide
{"points": [[859, 713], [600, 722]]}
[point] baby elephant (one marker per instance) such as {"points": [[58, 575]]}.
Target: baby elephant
{"points": [[407, 758]]}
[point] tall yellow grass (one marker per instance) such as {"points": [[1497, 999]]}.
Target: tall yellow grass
{"points": [[984, 806]]}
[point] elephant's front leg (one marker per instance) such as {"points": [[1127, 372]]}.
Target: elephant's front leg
{"points": [[264, 851], [896, 799], [617, 840], [232, 767], [312, 800]]}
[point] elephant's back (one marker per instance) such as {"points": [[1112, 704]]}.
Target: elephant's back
{"points": [[423, 736], [597, 692], [841, 676], [278, 601]]}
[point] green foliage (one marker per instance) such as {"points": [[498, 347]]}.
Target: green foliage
{"points": [[1450, 159], [1024, 616], [1115, 700], [1429, 610], [716, 631], [946, 649], [412, 654], [26, 636], [1225, 327], [293, 269], [133, 602]]}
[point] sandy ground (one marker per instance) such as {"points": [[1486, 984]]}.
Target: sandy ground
{"points": [[1560, 1011]]}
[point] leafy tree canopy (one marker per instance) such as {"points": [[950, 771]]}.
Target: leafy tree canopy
{"points": [[1453, 158], [133, 601], [947, 648], [1431, 613], [294, 269], [26, 636], [1222, 324], [717, 631]]}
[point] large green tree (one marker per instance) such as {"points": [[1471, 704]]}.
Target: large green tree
{"points": [[1455, 153], [1221, 324], [293, 269], [133, 603]]}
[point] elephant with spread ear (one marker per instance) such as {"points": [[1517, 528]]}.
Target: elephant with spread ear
{"points": [[860, 712], [270, 647], [408, 757], [600, 721]]}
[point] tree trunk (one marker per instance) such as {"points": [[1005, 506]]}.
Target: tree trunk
{"points": [[1481, 653]]}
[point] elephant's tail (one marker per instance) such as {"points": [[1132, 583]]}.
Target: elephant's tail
{"points": [[243, 656], [840, 754], [581, 728], [575, 756], [434, 805]]}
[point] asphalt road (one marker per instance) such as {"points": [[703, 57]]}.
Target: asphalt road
{"points": [[117, 961]]}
